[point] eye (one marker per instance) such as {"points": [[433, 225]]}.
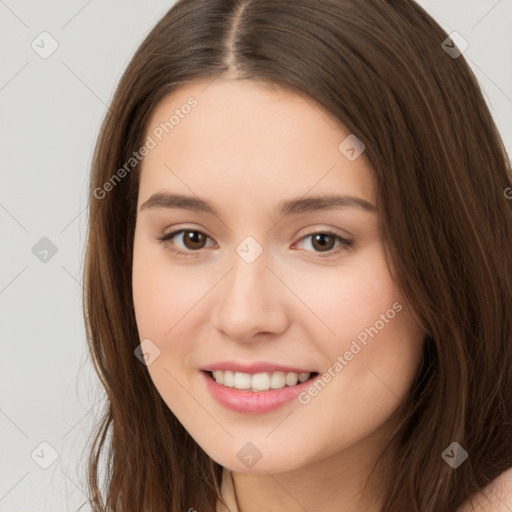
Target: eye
{"points": [[192, 239], [324, 242]]}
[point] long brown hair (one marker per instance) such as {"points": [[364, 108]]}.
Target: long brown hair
{"points": [[379, 67]]}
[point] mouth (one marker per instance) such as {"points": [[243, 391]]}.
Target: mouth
{"points": [[259, 382], [256, 387]]}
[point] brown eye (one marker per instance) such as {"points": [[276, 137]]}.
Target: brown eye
{"points": [[330, 244], [193, 239], [323, 241]]}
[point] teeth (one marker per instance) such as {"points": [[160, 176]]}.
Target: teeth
{"points": [[303, 377], [228, 379], [242, 381], [291, 379], [258, 381], [277, 380]]}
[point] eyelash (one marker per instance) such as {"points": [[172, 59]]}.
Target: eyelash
{"points": [[346, 244]]}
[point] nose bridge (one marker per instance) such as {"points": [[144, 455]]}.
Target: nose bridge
{"points": [[246, 292], [244, 279], [249, 301]]}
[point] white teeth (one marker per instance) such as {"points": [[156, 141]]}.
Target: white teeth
{"points": [[259, 381], [303, 377], [242, 380], [291, 379], [228, 378], [277, 380]]}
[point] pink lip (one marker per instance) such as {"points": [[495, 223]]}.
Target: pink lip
{"points": [[253, 367], [250, 401]]}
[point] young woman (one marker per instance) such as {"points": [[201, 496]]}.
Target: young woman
{"points": [[298, 275]]}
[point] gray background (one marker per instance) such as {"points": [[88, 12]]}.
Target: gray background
{"points": [[51, 110]]}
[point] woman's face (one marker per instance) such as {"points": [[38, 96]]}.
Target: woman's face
{"points": [[276, 280]]}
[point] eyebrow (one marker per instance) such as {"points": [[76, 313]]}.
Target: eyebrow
{"points": [[285, 208]]}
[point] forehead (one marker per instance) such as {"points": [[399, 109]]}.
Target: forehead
{"points": [[251, 139], [243, 110]]}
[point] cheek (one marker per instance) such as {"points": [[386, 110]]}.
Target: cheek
{"points": [[345, 300], [360, 315], [163, 292], [165, 298]]}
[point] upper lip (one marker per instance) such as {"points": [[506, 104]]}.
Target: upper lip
{"points": [[255, 367]]}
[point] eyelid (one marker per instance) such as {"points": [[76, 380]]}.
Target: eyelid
{"points": [[313, 230]]}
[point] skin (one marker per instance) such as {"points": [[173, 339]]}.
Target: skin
{"points": [[246, 147]]}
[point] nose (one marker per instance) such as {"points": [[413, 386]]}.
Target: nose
{"points": [[250, 302]]}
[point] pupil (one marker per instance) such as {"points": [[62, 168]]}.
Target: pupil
{"points": [[321, 236], [192, 237]]}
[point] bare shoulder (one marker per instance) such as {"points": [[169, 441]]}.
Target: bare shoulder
{"points": [[496, 497]]}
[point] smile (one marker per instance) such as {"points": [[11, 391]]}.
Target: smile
{"points": [[258, 381], [255, 393]]}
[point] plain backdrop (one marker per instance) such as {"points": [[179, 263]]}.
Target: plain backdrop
{"points": [[51, 111]]}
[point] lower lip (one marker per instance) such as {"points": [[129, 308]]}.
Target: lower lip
{"points": [[253, 401]]}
